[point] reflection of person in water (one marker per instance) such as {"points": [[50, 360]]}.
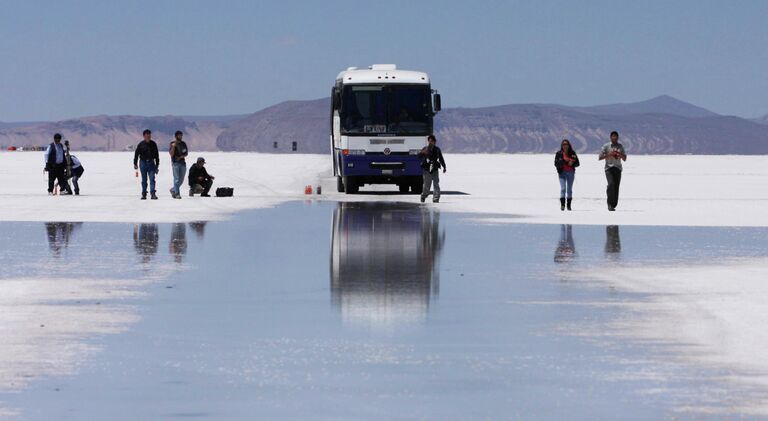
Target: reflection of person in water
{"points": [[384, 260], [566, 249], [178, 245], [199, 228], [145, 239], [612, 241], [59, 234]]}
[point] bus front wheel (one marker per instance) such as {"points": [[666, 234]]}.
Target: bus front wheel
{"points": [[350, 186]]}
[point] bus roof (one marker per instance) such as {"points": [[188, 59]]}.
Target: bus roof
{"points": [[381, 73]]}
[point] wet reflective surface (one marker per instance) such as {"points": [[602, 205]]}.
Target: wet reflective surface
{"points": [[385, 262], [321, 310]]}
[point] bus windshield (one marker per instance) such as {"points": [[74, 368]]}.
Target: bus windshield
{"points": [[386, 109]]}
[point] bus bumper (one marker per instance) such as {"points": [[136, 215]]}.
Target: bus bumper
{"points": [[379, 168]]}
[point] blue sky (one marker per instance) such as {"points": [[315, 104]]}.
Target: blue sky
{"points": [[63, 59]]}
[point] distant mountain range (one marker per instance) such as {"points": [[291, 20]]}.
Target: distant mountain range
{"points": [[115, 133], [662, 125]]}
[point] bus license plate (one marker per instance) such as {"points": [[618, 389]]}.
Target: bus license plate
{"points": [[386, 172]]}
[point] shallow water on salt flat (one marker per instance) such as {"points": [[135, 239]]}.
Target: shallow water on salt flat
{"points": [[355, 310]]}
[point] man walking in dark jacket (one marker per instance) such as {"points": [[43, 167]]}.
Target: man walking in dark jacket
{"points": [[147, 159], [178, 151], [199, 179], [431, 162], [55, 165]]}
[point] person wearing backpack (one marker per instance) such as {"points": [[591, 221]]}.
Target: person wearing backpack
{"points": [[178, 151], [566, 162]]}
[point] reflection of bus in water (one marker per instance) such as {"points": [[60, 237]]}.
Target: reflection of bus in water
{"points": [[384, 258]]}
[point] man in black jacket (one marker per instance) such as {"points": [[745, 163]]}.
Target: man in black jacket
{"points": [[149, 165], [178, 151], [431, 162], [55, 166], [199, 179]]}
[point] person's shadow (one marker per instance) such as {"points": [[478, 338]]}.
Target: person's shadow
{"points": [[566, 249], [612, 242], [59, 234], [178, 243], [198, 228], [145, 239]]}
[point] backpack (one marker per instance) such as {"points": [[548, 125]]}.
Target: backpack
{"points": [[225, 192]]}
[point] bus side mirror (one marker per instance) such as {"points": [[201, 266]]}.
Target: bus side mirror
{"points": [[438, 105]]}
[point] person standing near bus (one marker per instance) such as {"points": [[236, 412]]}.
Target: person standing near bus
{"points": [[431, 162]]}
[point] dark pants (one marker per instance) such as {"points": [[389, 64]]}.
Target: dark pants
{"points": [[76, 174], [613, 175], [205, 186], [54, 173]]}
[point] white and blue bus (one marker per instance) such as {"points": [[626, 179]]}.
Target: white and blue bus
{"points": [[380, 120]]}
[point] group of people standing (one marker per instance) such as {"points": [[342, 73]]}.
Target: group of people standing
{"points": [[146, 160], [566, 162], [61, 166]]}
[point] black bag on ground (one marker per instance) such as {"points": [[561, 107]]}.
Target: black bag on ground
{"points": [[225, 192]]}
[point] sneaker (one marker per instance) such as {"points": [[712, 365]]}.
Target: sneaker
{"points": [[173, 194], [178, 196], [65, 193], [77, 192], [435, 200], [191, 193], [143, 196], [611, 208], [205, 195], [423, 199], [153, 196]]}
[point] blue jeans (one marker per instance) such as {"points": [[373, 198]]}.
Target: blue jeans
{"points": [[566, 184], [179, 169], [148, 169]]}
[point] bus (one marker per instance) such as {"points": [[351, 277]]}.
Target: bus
{"points": [[380, 119]]}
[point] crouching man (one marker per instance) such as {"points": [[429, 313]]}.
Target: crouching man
{"points": [[200, 181]]}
